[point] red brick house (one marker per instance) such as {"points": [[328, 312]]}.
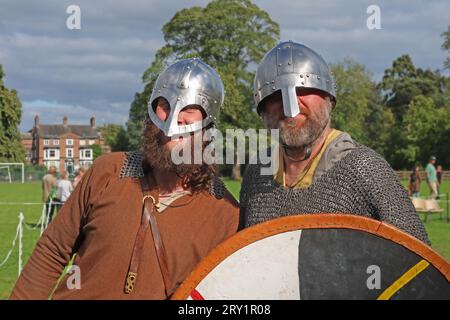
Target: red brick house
{"points": [[68, 147], [27, 143]]}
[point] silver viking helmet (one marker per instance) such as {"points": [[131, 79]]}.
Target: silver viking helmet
{"points": [[287, 66], [187, 82]]}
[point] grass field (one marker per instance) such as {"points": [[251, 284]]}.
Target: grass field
{"points": [[28, 192], [438, 230]]}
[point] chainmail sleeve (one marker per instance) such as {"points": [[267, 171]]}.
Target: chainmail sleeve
{"points": [[388, 198], [243, 198]]}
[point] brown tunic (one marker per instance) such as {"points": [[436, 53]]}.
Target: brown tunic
{"points": [[99, 223]]}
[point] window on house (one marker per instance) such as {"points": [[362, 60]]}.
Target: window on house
{"points": [[86, 154], [51, 154], [85, 164], [46, 142], [69, 142]]}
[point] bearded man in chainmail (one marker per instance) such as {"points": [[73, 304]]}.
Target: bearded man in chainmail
{"points": [[321, 169]]}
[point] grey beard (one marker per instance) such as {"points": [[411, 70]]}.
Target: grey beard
{"points": [[303, 136]]}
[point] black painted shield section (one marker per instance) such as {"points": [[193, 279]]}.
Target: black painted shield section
{"points": [[340, 263]]}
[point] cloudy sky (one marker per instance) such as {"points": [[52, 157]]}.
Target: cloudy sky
{"points": [[96, 71]]}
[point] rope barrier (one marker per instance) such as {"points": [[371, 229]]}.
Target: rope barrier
{"points": [[42, 223], [19, 235]]}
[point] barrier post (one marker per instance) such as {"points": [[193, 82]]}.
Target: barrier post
{"points": [[21, 218]]}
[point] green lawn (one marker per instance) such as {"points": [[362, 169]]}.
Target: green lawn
{"points": [[16, 192], [438, 230], [233, 186]]}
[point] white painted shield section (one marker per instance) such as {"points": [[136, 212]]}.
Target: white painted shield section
{"points": [[265, 269]]}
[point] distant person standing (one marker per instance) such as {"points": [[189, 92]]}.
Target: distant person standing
{"points": [[439, 179], [78, 177], [414, 182], [64, 189], [48, 187], [432, 177]]}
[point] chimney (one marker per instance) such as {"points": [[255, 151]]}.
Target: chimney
{"points": [[36, 121], [93, 122], [65, 121]]}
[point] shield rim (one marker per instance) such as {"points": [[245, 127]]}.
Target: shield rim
{"points": [[307, 221]]}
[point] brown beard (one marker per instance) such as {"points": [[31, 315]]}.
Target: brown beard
{"points": [[194, 177]]}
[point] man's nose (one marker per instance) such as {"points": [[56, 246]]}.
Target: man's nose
{"points": [[166, 114], [181, 119]]}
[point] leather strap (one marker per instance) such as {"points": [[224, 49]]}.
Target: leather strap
{"points": [[159, 246], [148, 218], [136, 255]]}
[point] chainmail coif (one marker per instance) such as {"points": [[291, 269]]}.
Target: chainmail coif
{"points": [[361, 183]]}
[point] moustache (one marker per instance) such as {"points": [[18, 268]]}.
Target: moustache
{"points": [[291, 122]]}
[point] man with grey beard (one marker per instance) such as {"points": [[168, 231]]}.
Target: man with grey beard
{"points": [[321, 169]]}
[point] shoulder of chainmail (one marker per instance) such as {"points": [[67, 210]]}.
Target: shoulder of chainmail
{"points": [[217, 188], [132, 165], [132, 168]]}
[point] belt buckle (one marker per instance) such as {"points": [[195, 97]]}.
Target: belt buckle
{"points": [[149, 196]]}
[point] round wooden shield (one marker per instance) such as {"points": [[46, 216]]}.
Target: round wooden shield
{"points": [[320, 256]]}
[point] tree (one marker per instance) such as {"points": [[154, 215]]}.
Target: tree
{"points": [[382, 130], [11, 149], [231, 36], [360, 110], [423, 126], [115, 136], [402, 82], [96, 151], [401, 86], [354, 89], [441, 141]]}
